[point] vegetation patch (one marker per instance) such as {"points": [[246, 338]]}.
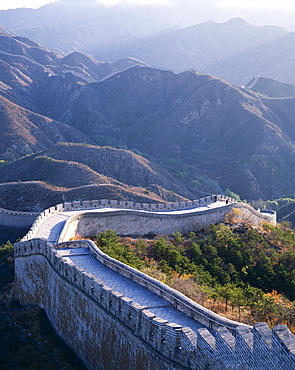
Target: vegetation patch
{"points": [[241, 272]]}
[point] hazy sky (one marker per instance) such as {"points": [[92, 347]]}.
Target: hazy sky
{"points": [[8, 4], [286, 5]]}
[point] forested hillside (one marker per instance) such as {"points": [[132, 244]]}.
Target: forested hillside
{"points": [[241, 272]]}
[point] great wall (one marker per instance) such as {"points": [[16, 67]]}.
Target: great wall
{"points": [[115, 317]]}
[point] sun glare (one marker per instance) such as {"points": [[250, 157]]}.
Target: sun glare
{"points": [[11, 4], [284, 5]]}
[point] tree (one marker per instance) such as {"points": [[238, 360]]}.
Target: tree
{"points": [[107, 238], [238, 299], [231, 194], [225, 292], [178, 241]]}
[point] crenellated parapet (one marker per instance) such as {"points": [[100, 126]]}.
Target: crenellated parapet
{"points": [[110, 203], [96, 320], [148, 211], [9, 218], [220, 344]]}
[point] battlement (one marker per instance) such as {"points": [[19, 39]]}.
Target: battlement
{"points": [[224, 344], [9, 218], [96, 320], [249, 213]]}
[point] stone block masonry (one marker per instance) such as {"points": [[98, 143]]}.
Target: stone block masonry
{"points": [[110, 331], [116, 317]]}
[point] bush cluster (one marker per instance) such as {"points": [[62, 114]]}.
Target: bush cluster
{"points": [[241, 266]]}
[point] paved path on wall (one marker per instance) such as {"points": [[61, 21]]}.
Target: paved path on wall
{"points": [[52, 227], [82, 258]]}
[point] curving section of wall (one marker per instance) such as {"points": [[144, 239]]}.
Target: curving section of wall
{"points": [[96, 321], [110, 331], [247, 212], [140, 223]]}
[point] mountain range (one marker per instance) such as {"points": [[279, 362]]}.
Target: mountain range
{"points": [[230, 133], [235, 50], [209, 47], [207, 132], [175, 35]]}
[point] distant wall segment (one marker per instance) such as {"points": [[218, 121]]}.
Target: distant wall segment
{"points": [[10, 218]]}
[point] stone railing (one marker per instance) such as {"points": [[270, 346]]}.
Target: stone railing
{"points": [[224, 344]]}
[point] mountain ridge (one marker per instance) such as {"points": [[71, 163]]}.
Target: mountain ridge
{"points": [[213, 120], [199, 47], [198, 125]]}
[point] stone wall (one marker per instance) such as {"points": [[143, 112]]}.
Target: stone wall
{"points": [[109, 331], [10, 218], [177, 299], [210, 216], [137, 222]]}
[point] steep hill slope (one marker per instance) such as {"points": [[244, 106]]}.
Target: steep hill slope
{"points": [[67, 174], [275, 59], [287, 213], [109, 170], [271, 88], [71, 165], [122, 165], [285, 110], [18, 196], [24, 132]]}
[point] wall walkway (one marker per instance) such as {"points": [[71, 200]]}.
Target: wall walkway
{"points": [[115, 317]]}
